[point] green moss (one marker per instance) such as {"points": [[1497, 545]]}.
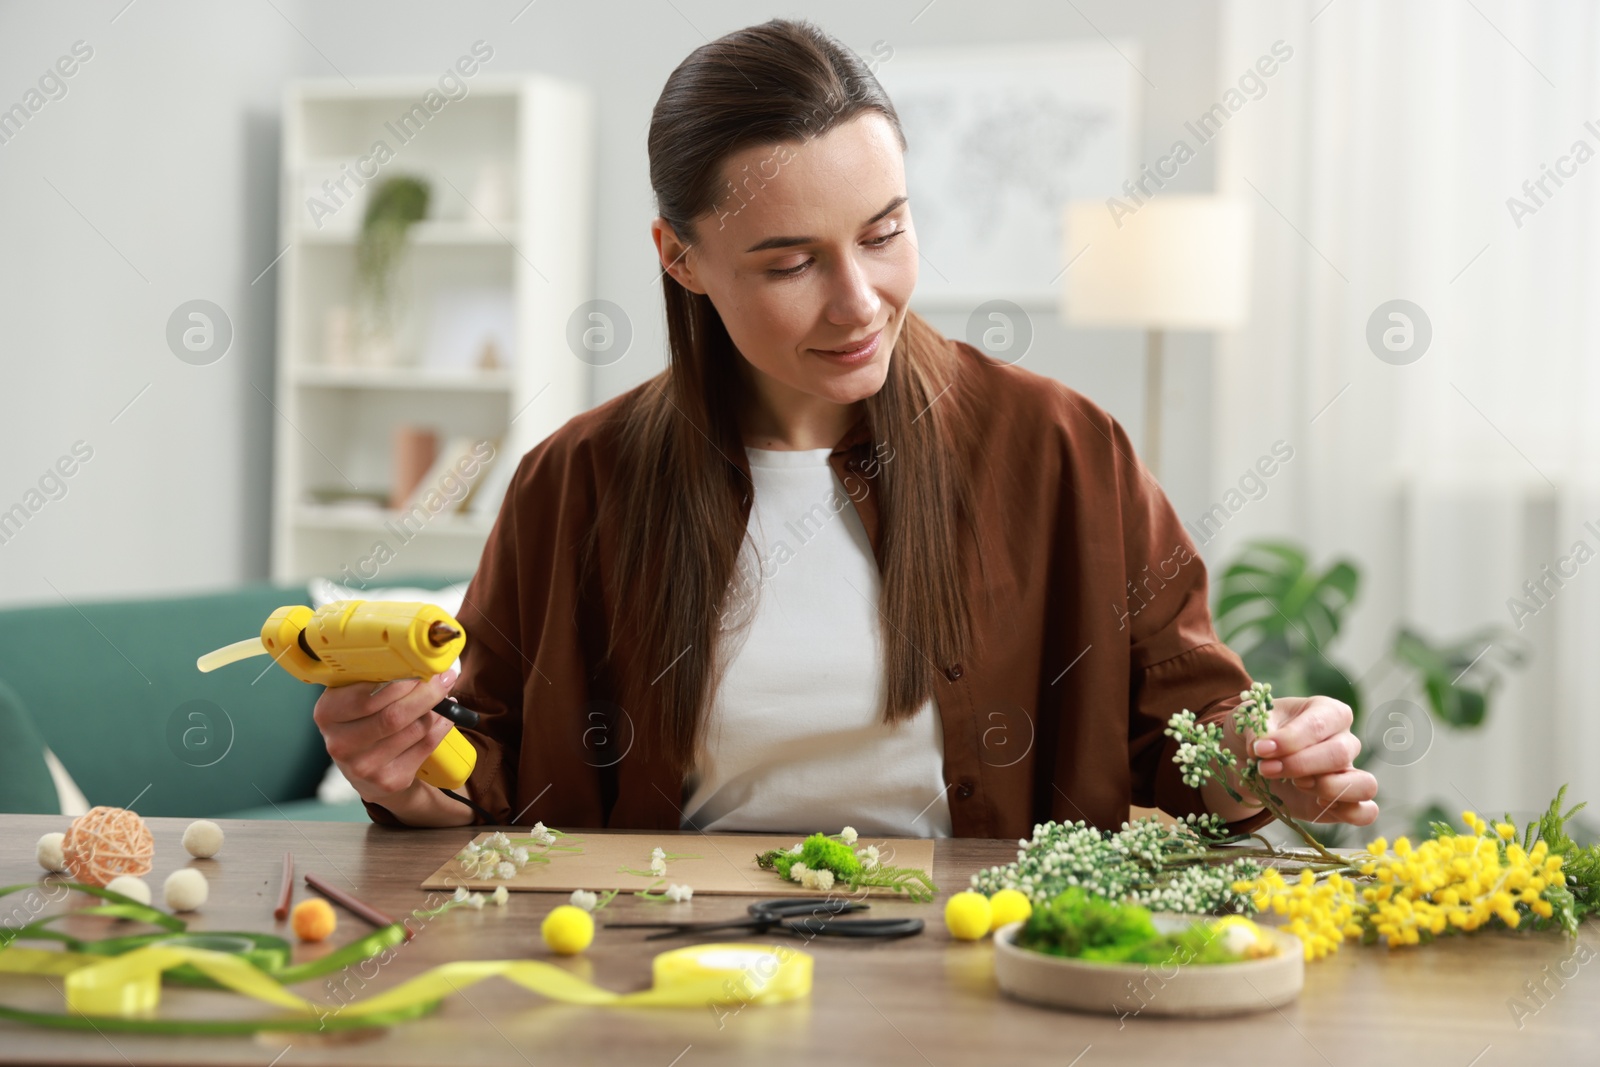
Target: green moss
{"points": [[1074, 923], [1082, 925], [1194, 944], [821, 853]]}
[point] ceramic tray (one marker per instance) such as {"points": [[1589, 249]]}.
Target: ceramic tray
{"points": [[1151, 989]]}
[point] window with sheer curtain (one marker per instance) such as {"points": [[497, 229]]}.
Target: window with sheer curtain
{"points": [[1446, 154]]}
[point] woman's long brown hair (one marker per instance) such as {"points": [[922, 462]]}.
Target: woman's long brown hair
{"points": [[679, 502]]}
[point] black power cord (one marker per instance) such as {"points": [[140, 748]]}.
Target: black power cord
{"points": [[484, 815]]}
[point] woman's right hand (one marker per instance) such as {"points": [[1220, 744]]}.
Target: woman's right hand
{"points": [[379, 737]]}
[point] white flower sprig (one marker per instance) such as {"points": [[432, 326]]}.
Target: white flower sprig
{"points": [[673, 894], [658, 863], [464, 898], [658, 872], [583, 898], [501, 858]]}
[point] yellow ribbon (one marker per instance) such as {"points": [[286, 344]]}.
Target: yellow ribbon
{"points": [[129, 986]]}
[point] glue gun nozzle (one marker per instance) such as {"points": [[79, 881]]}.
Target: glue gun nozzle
{"points": [[441, 634]]}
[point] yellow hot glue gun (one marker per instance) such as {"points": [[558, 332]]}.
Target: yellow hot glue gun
{"points": [[350, 641]]}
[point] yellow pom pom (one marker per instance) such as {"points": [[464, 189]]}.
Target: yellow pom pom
{"points": [[568, 930], [313, 919], [967, 915], [1008, 906]]}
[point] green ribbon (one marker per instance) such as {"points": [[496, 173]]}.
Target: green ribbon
{"points": [[267, 952], [120, 990]]}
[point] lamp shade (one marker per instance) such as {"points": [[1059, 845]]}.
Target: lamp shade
{"points": [[1173, 263]]}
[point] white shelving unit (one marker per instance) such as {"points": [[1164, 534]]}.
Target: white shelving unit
{"points": [[530, 257]]}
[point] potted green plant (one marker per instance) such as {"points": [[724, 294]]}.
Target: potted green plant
{"points": [[1282, 615], [394, 207]]}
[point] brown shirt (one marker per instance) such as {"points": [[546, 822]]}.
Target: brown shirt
{"points": [[1090, 618]]}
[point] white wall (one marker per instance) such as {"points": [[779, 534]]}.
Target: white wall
{"points": [[164, 155], [164, 152]]}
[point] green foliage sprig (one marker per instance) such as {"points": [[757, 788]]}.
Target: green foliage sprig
{"points": [[1580, 864]]}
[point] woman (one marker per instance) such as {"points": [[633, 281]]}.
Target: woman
{"points": [[828, 567]]}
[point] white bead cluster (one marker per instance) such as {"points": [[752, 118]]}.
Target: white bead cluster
{"points": [[1200, 748], [1145, 862]]}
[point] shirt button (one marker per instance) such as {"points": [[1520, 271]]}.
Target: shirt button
{"points": [[964, 790], [954, 672]]}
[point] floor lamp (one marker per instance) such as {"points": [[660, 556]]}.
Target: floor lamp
{"points": [[1173, 263]]}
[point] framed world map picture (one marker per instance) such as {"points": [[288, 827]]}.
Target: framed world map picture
{"points": [[998, 140]]}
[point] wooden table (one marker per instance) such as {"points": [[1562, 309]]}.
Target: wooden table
{"points": [[925, 1000]]}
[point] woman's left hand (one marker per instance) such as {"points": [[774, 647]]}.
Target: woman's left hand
{"points": [[1311, 749]]}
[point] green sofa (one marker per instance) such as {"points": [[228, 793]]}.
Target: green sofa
{"points": [[112, 689]]}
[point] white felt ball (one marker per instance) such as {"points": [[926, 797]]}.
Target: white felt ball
{"points": [[185, 889], [203, 839], [130, 886], [49, 853]]}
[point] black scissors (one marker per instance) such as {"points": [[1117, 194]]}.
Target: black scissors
{"points": [[802, 916]]}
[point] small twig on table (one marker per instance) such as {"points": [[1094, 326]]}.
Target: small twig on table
{"points": [[351, 904], [286, 890]]}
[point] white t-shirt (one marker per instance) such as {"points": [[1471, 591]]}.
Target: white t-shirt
{"points": [[795, 739]]}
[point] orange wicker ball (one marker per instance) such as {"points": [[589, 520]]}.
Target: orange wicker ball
{"points": [[104, 842]]}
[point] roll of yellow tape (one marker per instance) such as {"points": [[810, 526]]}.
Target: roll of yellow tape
{"points": [[742, 973]]}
